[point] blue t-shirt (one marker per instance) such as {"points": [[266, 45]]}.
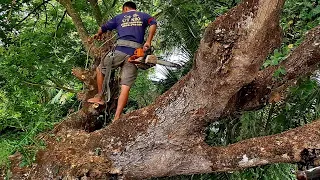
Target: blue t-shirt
{"points": [[131, 26]]}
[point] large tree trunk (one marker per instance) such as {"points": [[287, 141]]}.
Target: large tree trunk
{"points": [[167, 138]]}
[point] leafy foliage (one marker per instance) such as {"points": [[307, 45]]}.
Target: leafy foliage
{"points": [[37, 89], [297, 18]]}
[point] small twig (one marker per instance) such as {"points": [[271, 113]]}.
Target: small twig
{"points": [[60, 22], [34, 10], [45, 9]]}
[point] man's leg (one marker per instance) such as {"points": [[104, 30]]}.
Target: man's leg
{"points": [[100, 78], [129, 73], [112, 60], [98, 97], [122, 101]]}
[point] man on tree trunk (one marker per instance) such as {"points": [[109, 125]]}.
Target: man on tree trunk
{"points": [[131, 26], [167, 138]]}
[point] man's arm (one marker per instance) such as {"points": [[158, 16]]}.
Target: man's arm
{"points": [[152, 32], [109, 26]]}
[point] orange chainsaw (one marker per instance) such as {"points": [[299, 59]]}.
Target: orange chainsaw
{"points": [[145, 59]]}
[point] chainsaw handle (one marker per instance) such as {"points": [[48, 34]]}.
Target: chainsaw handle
{"points": [[149, 51]]}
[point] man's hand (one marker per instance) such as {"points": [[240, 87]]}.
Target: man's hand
{"points": [[146, 45], [152, 31], [97, 36]]}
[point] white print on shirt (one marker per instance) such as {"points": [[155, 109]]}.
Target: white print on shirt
{"points": [[135, 20]]}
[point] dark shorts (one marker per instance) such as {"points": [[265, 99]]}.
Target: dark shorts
{"points": [[115, 59]]}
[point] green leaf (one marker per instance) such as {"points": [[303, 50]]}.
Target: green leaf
{"points": [[279, 72]]}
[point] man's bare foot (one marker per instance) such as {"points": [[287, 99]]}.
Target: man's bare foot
{"points": [[96, 99], [116, 118]]}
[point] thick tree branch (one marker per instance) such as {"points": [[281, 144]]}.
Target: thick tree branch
{"points": [[77, 22], [233, 49], [96, 11], [302, 61], [287, 147], [167, 138], [95, 52]]}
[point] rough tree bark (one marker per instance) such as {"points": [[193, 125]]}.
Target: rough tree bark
{"points": [[167, 138], [302, 61]]}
